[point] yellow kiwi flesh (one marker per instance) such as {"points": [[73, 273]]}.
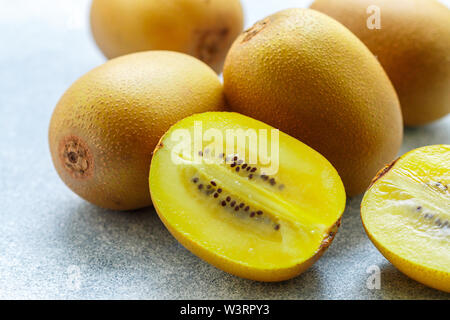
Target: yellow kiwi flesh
{"points": [[411, 39], [406, 214], [307, 75], [203, 29], [106, 125], [233, 213]]}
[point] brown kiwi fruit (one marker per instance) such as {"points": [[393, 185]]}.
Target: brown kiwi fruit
{"points": [[203, 29], [306, 74], [106, 125], [411, 39]]}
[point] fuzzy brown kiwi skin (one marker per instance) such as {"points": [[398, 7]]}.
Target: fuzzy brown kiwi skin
{"points": [[238, 269]]}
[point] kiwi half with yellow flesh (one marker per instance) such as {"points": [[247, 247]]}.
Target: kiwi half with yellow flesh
{"points": [[264, 207], [406, 213]]}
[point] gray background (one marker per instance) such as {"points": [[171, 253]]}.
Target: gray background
{"points": [[55, 245]]}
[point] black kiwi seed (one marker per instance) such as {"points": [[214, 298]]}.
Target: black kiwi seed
{"points": [[252, 215], [419, 208], [250, 176], [249, 168], [272, 182], [200, 186], [219, 190], [216, 195], [235, 158], [237, 169], [232, 203], [277, 227], [259, 213], [236, 208], [208, 187], [200, 153], [233, 164], [247, 208], [253, 170], [241, 205], [223, 203], [244, 166], [195, 180], [213, 183], [264, 177], [228, 199]]}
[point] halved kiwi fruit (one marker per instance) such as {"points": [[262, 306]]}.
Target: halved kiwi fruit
{"points": [[264, 207], [406, 213]]}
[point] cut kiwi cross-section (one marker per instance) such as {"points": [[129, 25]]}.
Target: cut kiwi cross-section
{"points": [[266, 220], [406, 213]]}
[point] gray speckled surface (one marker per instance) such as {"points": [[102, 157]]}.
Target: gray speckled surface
{"points": [[55, 245]]}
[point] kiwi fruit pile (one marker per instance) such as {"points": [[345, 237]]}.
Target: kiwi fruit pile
{"points": [[252, 174]]}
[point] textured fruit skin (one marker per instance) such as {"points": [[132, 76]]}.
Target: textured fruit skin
{"points": [[413, 45], [433, 278], [116, 114], [304, 73], [203, 29]]}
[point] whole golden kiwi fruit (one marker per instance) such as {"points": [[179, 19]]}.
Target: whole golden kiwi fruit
{"points": [[203, 29], [411, 39], [106, 125], [306, 74]]}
